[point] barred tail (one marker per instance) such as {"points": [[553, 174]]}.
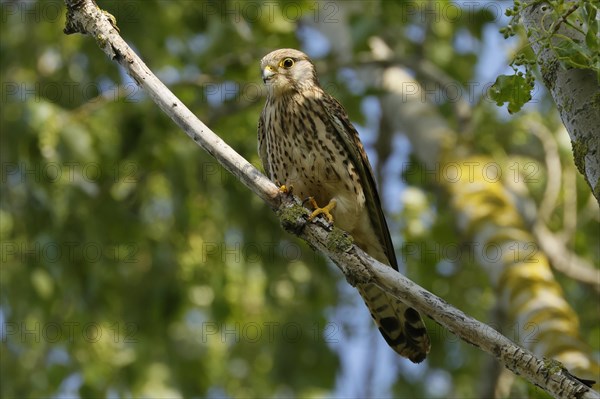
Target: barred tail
{"points": [[400, 325]]}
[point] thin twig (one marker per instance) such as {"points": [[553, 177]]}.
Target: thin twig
{"points": [[553, 167], [565, 261], [570, 205]]}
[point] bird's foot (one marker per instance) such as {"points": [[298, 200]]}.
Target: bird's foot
{"points": [[326, 210], [283, 189]]}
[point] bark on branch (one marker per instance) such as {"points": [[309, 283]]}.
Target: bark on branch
{"points": [[576, 91], [85, 17]]}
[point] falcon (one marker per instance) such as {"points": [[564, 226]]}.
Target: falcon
{"points": [[307, 144]]}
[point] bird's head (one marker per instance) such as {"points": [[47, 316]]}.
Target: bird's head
{"points": [[286, 71]]}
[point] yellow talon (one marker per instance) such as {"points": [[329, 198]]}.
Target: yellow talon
{"points": [[283, 189], [322, 211]]}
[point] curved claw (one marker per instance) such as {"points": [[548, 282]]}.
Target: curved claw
{"points": [[283, 189]]}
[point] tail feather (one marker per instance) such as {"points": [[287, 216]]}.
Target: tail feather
{"points": [[400, 325]]}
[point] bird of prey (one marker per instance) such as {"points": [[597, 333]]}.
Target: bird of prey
{"points": [[307, 143]]}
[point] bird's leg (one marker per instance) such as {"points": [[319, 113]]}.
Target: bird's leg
{"points": [[322, 211]]}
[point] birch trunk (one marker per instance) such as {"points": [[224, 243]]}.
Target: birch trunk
{"points": [[575, 91]]}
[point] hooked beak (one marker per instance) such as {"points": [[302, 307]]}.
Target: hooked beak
{"points": [[267, 73]]}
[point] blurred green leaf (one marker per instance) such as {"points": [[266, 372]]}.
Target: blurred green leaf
{"points": [[512, 89], [572, 54]]}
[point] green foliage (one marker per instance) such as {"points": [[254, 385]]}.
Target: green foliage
{"points": [[133, 265], [514, 90], [579, 49]]}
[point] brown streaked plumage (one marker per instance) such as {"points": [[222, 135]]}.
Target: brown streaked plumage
{"points": [[306, 140]]}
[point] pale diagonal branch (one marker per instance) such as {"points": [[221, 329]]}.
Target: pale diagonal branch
{"points": [[84, 16]]}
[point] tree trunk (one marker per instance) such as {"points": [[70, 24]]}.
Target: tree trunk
{"points": [[575, 91]]}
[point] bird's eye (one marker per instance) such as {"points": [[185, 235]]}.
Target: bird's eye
{"points": [[287, 63]]}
